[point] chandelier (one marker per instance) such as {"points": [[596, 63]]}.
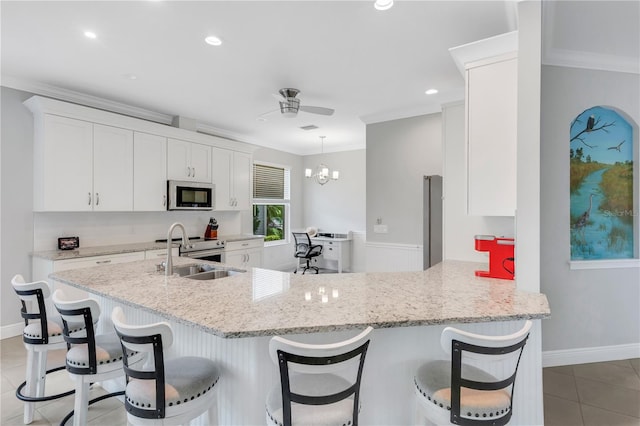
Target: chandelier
{"points": [[322, 174]]}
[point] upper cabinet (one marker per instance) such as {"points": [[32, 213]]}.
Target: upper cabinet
{"points": [[149, 172], [81, 166], [232, 179], [491, 107], [87, 159], [490, 68], [189, 161]]}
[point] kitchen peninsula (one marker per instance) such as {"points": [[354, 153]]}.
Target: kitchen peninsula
{"points": [[232, 319]]}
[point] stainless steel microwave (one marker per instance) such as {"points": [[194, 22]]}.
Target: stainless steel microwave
{"points": [[190, 195]]}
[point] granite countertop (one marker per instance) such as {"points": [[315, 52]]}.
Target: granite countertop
{"points": [[263, 302], [121, 248]]}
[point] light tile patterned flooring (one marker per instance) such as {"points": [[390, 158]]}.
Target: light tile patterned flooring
{"points": [[598, 394]]}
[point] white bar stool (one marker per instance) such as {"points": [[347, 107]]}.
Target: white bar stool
{"points": [[453, 392], [313, 389], [164, 391], [90, 358], [42, 333]]}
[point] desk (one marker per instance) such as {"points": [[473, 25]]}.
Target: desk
{"points": [[335, 249]]}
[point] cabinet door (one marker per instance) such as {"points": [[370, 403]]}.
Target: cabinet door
{"points": [[64, 165], [221, 173], [200, 163], [242, 180], [492, 131], [178, 160], [112, 168], [149, 172], [235, 258], [254, 259]]}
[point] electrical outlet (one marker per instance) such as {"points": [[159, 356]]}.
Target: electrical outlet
{"points": [[380, 229]]}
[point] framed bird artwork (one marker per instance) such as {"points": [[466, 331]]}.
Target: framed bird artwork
{"points": [[602, 204]]}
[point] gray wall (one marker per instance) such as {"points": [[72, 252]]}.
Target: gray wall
{"points": [[337, 206], [596, 307], [16, 195], [399, 154]]}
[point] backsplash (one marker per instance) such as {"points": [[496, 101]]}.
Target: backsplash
{"points": [[98, 229]]}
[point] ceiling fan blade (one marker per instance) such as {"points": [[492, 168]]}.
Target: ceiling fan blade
{"points": [[316, 110], [280, 98], [264, 115]]}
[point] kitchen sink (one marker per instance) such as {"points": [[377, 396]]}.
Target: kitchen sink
{"points": [[204, 271]]}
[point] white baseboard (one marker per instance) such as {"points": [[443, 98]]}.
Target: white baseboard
{"points": [[587, 355], [11, 330]]}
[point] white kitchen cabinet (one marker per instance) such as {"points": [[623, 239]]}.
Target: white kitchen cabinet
{"points": [[491, 117], [112, 169], [244, 254], [149, 172], [63, 164], [81, 166], [232, 178], [160, 253], [43, 267], [188, 161]]}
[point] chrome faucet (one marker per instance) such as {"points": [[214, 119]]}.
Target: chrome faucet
{"points": [[168, 270]]}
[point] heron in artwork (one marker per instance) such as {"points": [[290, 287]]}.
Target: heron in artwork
{"points": [[584, 218], [617, 148], [590, 123]]}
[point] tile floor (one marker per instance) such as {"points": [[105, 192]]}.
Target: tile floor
{"points": [[598, 394]]}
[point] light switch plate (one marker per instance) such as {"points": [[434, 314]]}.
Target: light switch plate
{"points": [[380, 229]]}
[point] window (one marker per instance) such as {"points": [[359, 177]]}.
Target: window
{"points": [[271, 202]]}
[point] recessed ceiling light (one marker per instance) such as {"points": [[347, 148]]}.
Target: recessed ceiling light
{"points": [[431, 91], [213, 40], [383, 4], [90, 34], [130, 76]]}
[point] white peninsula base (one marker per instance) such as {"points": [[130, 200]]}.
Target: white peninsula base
{"points": [[387, 386]]}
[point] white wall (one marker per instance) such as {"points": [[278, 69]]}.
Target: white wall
{"points": [[460, 228], [596, 307]]}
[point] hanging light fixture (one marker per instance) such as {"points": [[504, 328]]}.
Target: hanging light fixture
{"points": [[322, 174]]}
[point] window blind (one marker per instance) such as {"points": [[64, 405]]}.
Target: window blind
{"points": [[270, 182]]}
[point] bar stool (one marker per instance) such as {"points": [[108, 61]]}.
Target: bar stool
{"points": [[164, 391], [444, 396], [308, 378], [90, 357], [42, 333]]}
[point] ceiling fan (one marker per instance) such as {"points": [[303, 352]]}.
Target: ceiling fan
{"points": [[290, 104]]}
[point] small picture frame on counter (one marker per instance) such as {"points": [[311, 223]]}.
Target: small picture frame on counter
{"points": [[68, 243]]}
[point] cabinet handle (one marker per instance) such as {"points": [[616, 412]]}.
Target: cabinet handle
{"points": [[188, 171], [194, 172], [97, 198], [164, 200], [89, 198], [245, 244], [103, 261]]}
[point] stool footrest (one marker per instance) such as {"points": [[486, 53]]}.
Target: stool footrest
{"points": [[100, 398], [25, 398]]}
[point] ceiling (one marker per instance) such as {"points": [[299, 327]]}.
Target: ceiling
{"points": [[368, 65]]}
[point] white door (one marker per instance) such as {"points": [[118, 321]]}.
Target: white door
{"points": [[242, 180], [149, 172], [112, 168], [221, 173], [66, 166], [178, 160]]}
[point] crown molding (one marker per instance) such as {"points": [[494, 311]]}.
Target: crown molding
{"points": [[482, 49], [592, 61]]}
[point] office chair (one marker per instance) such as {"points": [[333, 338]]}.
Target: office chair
{"points": [[305, 250]]}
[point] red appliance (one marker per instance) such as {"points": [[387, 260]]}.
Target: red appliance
{"points": [[501, 257]]}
